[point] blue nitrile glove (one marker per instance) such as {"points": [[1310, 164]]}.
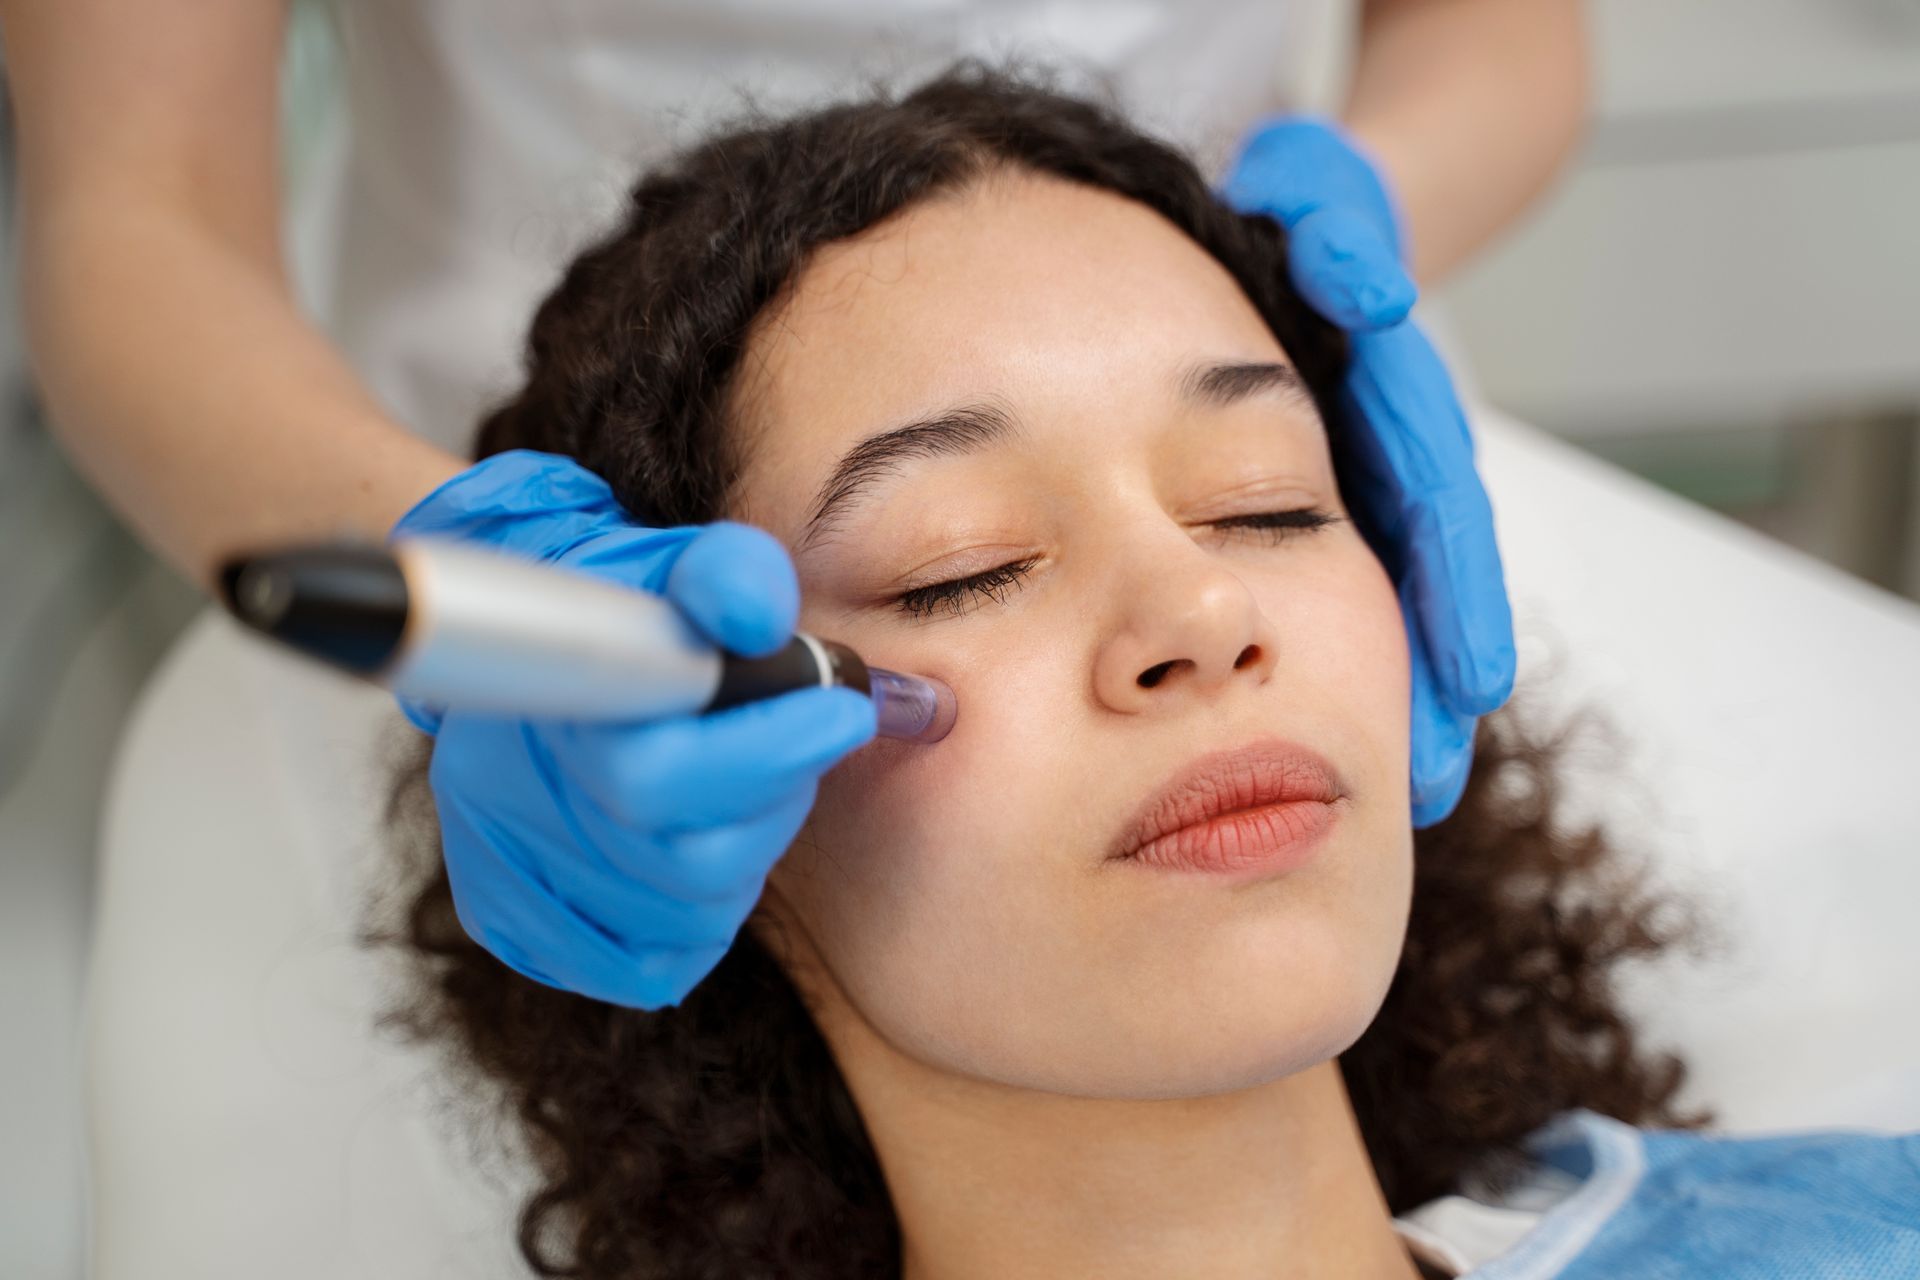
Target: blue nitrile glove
{"points": [[1412, 464], [619, 860]]}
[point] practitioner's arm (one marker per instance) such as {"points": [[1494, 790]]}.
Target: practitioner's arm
{"points": [[1470, 106], [177, 368]]}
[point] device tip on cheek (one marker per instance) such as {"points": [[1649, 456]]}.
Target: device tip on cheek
{"points": [[913, 708]]}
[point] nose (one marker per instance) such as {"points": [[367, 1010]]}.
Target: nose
{"points": [[1192, 634]]}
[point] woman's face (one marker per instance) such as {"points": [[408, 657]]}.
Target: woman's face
{"points": [[957, 900]]}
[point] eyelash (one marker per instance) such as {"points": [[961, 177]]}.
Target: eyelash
{"points": [[923, 602]]}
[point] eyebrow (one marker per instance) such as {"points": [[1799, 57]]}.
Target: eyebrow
{"points": [[973, 428]]}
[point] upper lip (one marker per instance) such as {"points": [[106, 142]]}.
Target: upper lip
{"points": [[1266, 771]]}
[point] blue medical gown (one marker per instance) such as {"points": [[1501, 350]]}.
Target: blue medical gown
{"points": [[1655, 1203]]}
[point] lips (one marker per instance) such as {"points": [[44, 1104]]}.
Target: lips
{"points": [[1268, 772]]}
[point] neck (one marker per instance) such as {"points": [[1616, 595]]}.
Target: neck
{"points": [[994, 1181]]}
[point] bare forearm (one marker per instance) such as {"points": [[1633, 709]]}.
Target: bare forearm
{"points": [[185, 383], [1471, 107]]}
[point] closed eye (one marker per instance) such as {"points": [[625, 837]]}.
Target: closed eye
{"points": [[924, 602]]}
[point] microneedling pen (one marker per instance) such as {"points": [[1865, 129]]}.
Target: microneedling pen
{"points": [[453, 624]]}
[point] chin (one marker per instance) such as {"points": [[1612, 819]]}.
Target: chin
{"points": [[1228, 1060], [1262, 1006], [1255, 1040]]}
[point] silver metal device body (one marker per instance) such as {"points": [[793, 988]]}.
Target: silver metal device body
{"points": [[480, 622]]}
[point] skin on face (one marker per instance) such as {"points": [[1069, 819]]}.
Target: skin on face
{"points": [[951, 907]]}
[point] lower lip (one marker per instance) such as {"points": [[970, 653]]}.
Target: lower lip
{"points": [[1250, 842]]}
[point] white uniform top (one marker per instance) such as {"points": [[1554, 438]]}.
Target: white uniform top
{"points": [[492, 140]]}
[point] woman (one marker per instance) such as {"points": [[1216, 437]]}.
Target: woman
{"points": [[981, 1021]]}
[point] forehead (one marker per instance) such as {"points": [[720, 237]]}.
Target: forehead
{"points": [[1061, 301]]}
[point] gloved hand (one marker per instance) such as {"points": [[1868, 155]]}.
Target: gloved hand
{"points": [[1410, 467], [619, 860]]}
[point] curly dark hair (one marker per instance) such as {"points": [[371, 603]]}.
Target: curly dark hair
{"points": [[717, 1138]]}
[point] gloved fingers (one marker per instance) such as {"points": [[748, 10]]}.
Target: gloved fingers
{"points": [[517, 918], [607, 946], [1288, 166], [692, 772], [547, 832], [631, 891], [1459, 595], [1442, 742], [630, 554], [1419, 480], [1398, 385], [667, 975], [1443, 780], [738, 584], [651, 981], [717, 865], [657, 980], [734, 582], [696, 884], [423, 716], [509, 814], [1347, 270], [1342, 221], [521, 501]]}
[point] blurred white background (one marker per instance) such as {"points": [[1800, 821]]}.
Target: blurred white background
{"points": [[1723, 296]]}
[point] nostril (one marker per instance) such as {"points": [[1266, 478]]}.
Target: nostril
{"points": [[1248, 656], [1155, 674]]}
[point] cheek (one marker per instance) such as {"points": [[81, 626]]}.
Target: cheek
{"points": [[1348, 923], [903, 834], [931, 879], [1360, 658]]}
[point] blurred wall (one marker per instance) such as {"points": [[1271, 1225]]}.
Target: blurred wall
{"points": [[1724, 294]]}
